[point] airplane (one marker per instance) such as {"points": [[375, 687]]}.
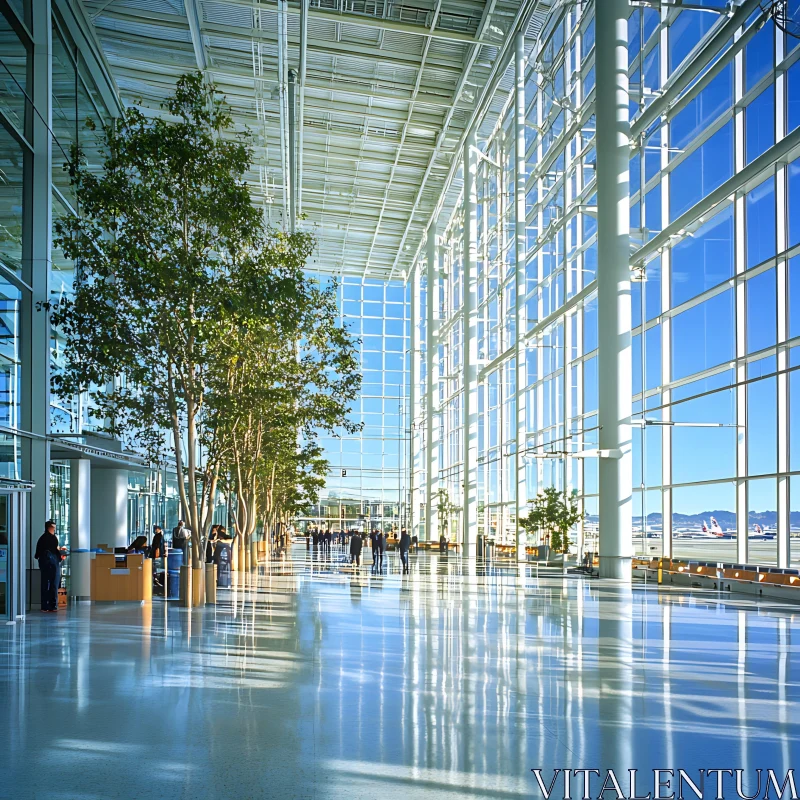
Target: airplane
{"points": [[760, 533], [716, 531]]}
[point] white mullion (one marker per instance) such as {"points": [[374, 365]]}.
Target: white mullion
{"points": [[740, 316], [666, 322], [782, 285]]}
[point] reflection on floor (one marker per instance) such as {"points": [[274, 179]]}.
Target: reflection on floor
{"points": [[312, 682]]}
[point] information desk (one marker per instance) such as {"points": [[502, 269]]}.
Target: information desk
{"points": [[122, 577]]}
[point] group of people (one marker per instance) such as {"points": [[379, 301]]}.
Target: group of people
{"points": [[49, 553], [323, 541]]}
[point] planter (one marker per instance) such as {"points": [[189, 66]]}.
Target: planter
{"points": [[198, 586], [211, 583], [185, 597]]}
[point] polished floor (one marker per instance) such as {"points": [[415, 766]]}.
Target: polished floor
{"points": [[312, 682]]}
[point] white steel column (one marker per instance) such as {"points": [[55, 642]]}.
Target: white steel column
{"points": [[470, 350], [520, 325], [782, 278], [431, 386], [666, 320], [740, 317], [614, 288], [415, 400]]}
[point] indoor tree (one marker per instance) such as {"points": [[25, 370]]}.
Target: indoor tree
{"points": [[446, 508], [172, 257]]}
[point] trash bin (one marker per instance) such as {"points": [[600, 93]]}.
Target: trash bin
{"points": [[174, 562], [222, 559]]}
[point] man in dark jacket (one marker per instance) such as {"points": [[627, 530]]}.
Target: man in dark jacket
{"points": [[373, 540], [355, 550], [405, 546], [381, 542], [49, 556]]}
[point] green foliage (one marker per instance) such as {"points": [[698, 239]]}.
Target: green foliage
{"points": [[446, 509], [192, 323], [556, 513]]}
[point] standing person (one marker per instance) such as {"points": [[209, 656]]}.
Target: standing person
{"points": [[373, 541], [381, 540], [212, 540], [355, 550], [157, 546], [443, 545], [49, 556], [180, 540], [405, 546]]}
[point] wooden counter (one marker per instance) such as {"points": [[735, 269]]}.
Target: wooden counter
{"points": [[123, 579]]}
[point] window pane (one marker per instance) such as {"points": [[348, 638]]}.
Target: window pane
{"points": [[760, 124], [761, 235], [11, 168], [762, 521], [762, 311], [702, 171], [704, 260], [13, 84], [762, 427], [703, 336], [710, 506]]}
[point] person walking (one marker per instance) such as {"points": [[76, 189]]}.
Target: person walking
{"points": [[405, 546], [355, 551], [443, 545], [49, 555], [373, 541]]}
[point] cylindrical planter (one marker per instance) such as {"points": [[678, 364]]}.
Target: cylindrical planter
{"points": [[211, 583], [198, 586], [186, 587], [235, 555], [247, 559]]}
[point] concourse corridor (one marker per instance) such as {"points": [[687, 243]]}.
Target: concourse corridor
{"points": [[313, 682]]}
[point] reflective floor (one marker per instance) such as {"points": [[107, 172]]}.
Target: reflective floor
{"points": [[317, 683]]}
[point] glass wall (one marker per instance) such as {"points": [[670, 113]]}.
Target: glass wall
{"points": [[75, 100], [367, 481], [715, 270]]}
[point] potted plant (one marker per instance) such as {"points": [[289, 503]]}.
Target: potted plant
{"points": [[562, 515], [446, 509], [555, 513]]}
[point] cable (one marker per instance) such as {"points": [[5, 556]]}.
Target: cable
{"points": [[788, 22]]}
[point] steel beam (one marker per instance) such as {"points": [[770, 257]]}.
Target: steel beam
{"points": [[520, 321], [195, 17], [469, 517], [521, 21], [414, 398], [431, 384], [301, 99], [364, 21], [614, 288]]}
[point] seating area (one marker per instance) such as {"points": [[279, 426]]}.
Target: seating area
{"points": [[744, 578]]}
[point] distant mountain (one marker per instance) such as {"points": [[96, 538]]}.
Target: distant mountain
{"points": [[726, 519]]}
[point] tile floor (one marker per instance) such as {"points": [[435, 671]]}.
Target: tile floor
{"points": [[311, 682]]}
